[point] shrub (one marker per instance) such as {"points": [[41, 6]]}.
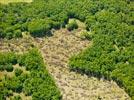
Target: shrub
{"points": [[31, 60], [17, 98], [7, 58], [86, 35], [9, 35], [17, 33], [38, 27], [9, 67], [18, 72], [72, 25], [14, 84], [1, 67]]}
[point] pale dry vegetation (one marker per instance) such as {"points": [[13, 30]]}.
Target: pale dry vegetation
{"points": [[16, 45], [14, 1]]}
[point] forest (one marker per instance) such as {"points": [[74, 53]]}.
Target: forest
{"points": [[111, 56]]}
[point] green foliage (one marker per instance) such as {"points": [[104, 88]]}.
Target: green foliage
{"points": [[39, 80], [72, 25], [38, 83], [31, 60], [1, 67], [86, 35], [18, 72], [14, 84], [18, 97], [6, 61], [7, 67], [17, 33], [7, 58], [38, 27], [5, 92]]}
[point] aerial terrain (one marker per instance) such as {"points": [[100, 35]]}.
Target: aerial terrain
{"points": [[66, 50]]}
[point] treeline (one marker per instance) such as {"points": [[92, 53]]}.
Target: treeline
{"points": [[38, 83]]}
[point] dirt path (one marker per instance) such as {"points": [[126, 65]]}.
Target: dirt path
{"points": [[56, 51]]}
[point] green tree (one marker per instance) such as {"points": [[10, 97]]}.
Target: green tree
{"points": [[18, 72], [72, 25], [9, 67], [38, 27]]}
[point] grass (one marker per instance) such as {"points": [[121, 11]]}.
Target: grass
{"points": [[11, 1]]}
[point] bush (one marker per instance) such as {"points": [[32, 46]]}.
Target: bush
{"points": [[86, 35], [72, 25], [9, 67], [31, 60], [14, 84], [38, 27], [17, 33], [17, 98], [18, 72], [7, 58], [9, 35], [1, 67]]}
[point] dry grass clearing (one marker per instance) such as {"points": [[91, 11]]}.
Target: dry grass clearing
{"points": [[16, 45], [14, 1]]}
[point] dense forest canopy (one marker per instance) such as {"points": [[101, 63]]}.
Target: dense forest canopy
{"points": [[110, 21]]}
